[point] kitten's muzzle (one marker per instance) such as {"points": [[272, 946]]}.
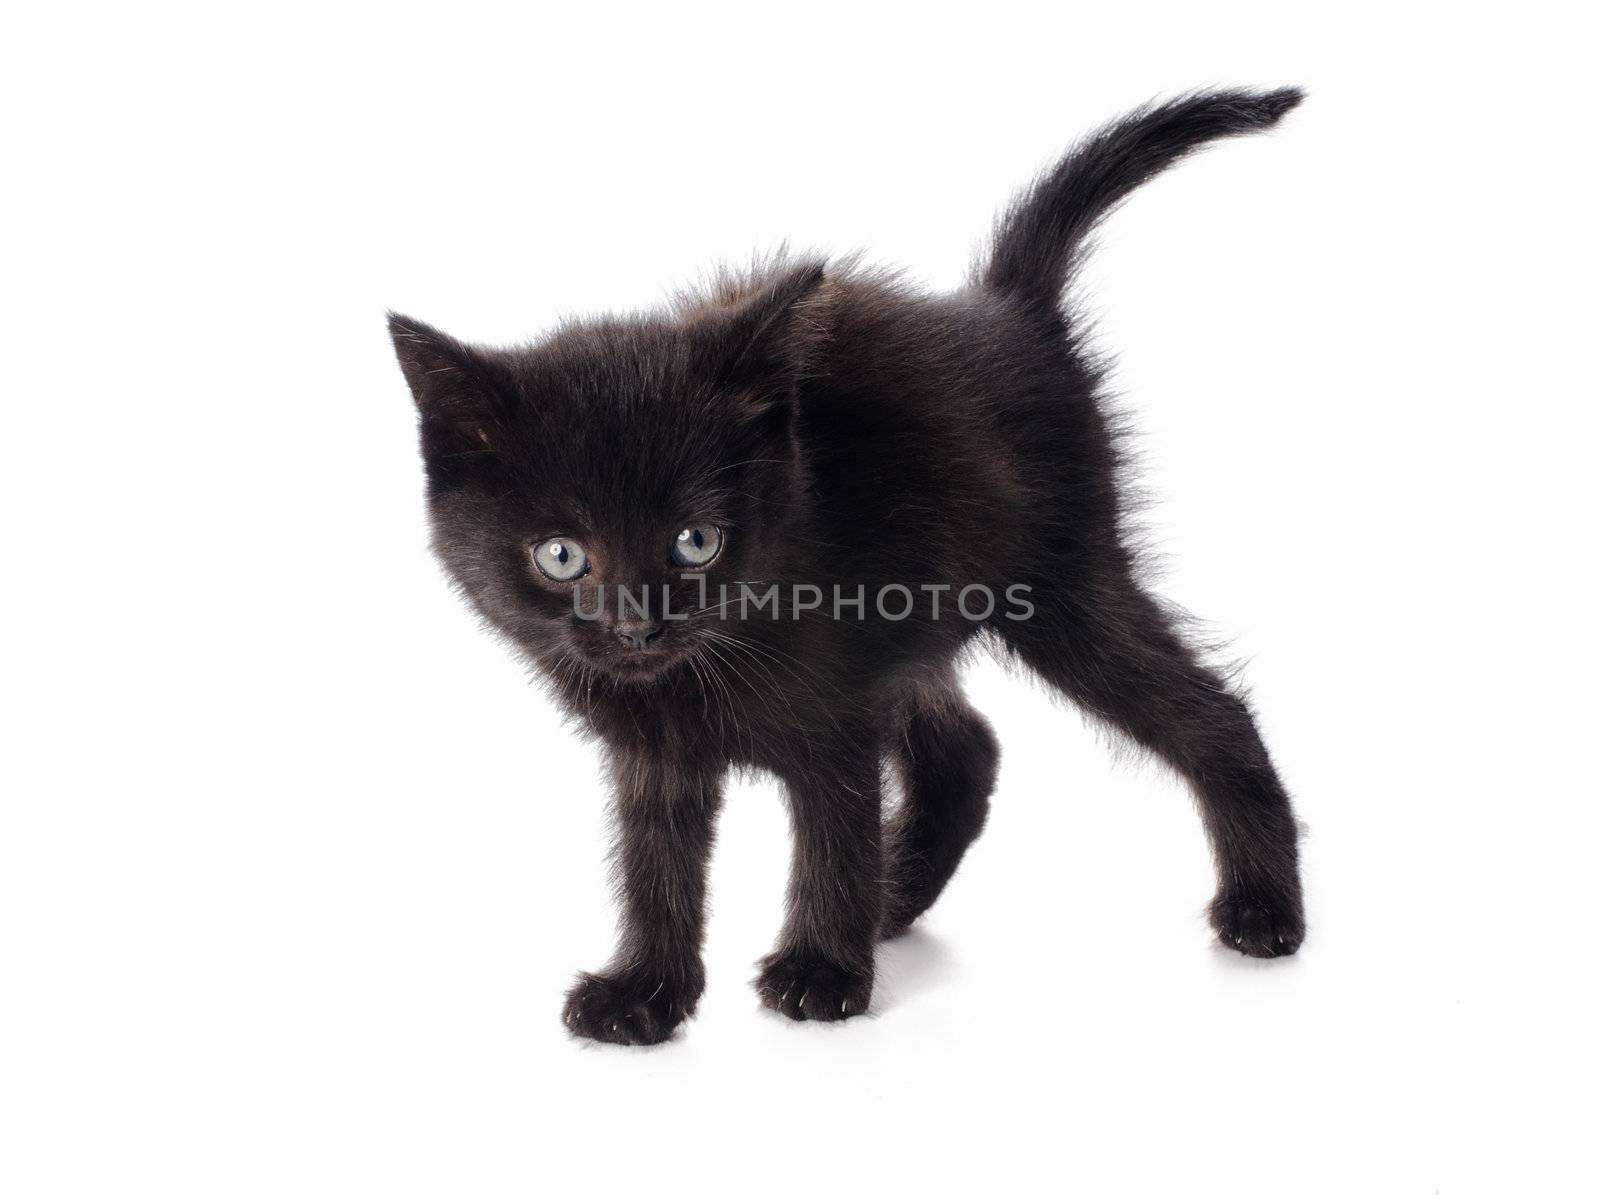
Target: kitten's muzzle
{"points": [[638, 634]]}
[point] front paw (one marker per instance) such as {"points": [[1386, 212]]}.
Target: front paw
{"points": [[807, 987], [626, 1009], [1262, 926]]}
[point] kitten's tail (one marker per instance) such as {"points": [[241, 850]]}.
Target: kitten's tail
{"points": [[1041, 237]]}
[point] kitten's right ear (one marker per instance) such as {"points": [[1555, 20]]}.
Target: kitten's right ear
{"points": [[768, 335], [454, 385]]}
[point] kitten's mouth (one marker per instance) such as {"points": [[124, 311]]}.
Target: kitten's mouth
{"points": [[640, 665]]}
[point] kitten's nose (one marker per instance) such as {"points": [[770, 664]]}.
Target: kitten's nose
{"points": [[638, 633]]}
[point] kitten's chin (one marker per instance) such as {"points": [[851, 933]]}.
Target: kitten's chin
{"points": [[640, 667]]}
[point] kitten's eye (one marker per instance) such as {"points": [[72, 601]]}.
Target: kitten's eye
{"points": [[697, 546], [561, 559]]}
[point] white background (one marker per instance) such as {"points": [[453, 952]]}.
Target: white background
{"points": [[296, 865]]}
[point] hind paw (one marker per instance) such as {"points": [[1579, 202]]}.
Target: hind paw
{"points": [[1259, 926]]}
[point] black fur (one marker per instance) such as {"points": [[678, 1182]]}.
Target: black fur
{"points": [[844, 430]]}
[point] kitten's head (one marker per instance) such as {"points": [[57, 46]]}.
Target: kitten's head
{"points": [[652, 456]]}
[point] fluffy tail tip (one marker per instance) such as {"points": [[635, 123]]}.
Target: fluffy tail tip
{"points": [[1273, 105]]}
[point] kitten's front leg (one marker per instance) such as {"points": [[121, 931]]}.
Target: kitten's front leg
{"points": [[666, 817], [821, 969]]}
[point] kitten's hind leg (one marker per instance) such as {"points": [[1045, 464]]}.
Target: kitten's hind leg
{"points": [[1110, 647], [947, 758]]}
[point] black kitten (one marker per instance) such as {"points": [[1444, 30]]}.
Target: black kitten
{"points": [[756, 531]]}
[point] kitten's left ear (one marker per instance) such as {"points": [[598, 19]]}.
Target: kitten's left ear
{"points": [[439, 368], [768, 341], [460, 391]]}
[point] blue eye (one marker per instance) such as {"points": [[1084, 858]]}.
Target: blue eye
{"points": [[697, 546], [561, 559]]}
